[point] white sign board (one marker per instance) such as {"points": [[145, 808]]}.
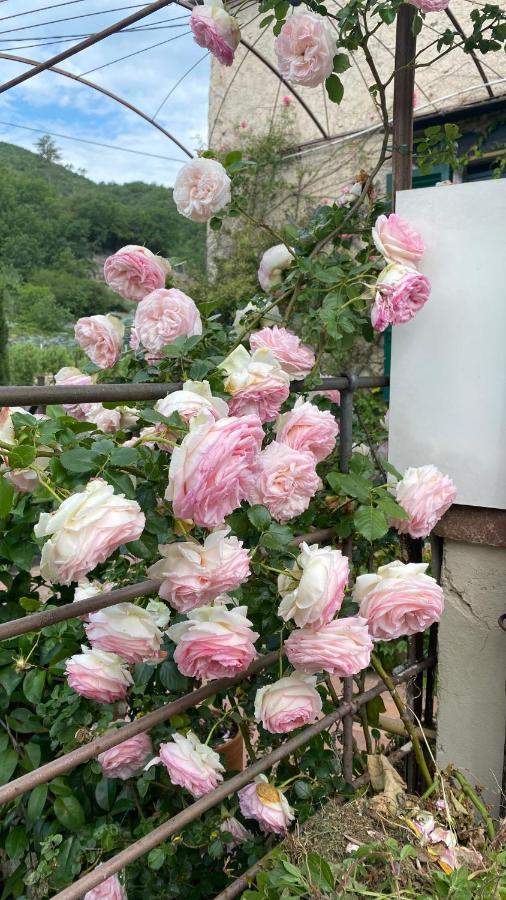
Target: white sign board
{"points": [[448, 375]]}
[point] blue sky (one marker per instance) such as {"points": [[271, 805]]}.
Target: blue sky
{"points": [[55, 104]]}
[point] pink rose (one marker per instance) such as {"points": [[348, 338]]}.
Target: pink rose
{"points": [[98, 675], [125, 629], [237, 830], [162, 317], [217, 31], [201, 189], [430, 5], [85, 529], [214, 469], [287, 481], [400, 294], [215, 642], [127, 758], [101, 338], [134, 272], [288, 703], [194, 575], [397, 241], [106, 420], [342, 647], [399, 600], [71, 375], [314, 592], [110, 889], [257, 383], [305, 49], [190, 764], [425, 494], [308, 428], [265, 803], [293, 356], [194, 398], [272, 265]]}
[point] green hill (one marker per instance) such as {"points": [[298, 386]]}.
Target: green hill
{"points": [[56, 229]]}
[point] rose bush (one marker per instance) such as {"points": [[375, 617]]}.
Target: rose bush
{"points": [[216, 490]]}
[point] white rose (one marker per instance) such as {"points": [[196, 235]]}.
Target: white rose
{"points": [[273, 263], [107, 420], [272, 316], [125, 629], [85, 529], [201, 189], [247, 369], [395, 569], [315, 591], [194, 398]]}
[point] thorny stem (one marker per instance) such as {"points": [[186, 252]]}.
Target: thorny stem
{"points": [[215, 726], [332, 691], [243, 728], [417, 749], [363, 718], [46, 484], [477, 803]]}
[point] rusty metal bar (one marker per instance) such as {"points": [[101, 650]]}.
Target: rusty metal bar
{"points": [[88, 42], [101, 600], [117, 735], [178, 822], [42, 395]]}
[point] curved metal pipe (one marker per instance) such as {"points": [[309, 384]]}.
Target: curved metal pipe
{"points": [[102, 90]]}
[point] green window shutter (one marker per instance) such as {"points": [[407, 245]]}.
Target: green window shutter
{"points": [[437, 173]]}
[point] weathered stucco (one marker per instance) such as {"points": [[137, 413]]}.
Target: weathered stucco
{"points": [[472, 665]]}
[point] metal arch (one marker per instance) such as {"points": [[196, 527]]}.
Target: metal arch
{"points": [[101, 90]]}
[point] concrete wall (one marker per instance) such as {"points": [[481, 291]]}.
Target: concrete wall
{"points": [[472, 665]]}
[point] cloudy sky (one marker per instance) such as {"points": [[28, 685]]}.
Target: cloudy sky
{"points": [[55, 104]]}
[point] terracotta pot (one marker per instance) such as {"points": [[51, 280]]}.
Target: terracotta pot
{"points": [[232, 753]]}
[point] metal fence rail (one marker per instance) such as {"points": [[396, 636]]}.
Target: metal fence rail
{"points": [[118, 393]]}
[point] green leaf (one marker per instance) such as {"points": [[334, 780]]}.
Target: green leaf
{"points": [[277, 537], [121, 482], [171, 677], [124, 456], [215, 223], [266, 21], [302, 789], [259, 517], [390, 507], [234, 156], [69, 813], [281, 8], [8, 763], [79, 460], [335, 88], [24, 721], [351, 485], [30, 604], [387, 14], [341, 62], [36, 802], [156, 858], [370, 522], [21, 457], [6, 497], [417, 24], [16, 842], [32, 754], [105, 793], [374, 707], [33, 684]]}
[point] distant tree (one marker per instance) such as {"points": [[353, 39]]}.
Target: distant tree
{"points": [[47, 149]]}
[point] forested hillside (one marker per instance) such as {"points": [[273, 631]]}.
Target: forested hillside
{"points": [[56, 228]]}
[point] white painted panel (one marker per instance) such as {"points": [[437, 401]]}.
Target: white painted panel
{"points": [[448, 377]]}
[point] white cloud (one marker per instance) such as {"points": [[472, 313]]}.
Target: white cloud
{"points": [[53, 103]]}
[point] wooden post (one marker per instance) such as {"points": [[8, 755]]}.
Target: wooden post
{"points": [[402, 179], [404, 86]]}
